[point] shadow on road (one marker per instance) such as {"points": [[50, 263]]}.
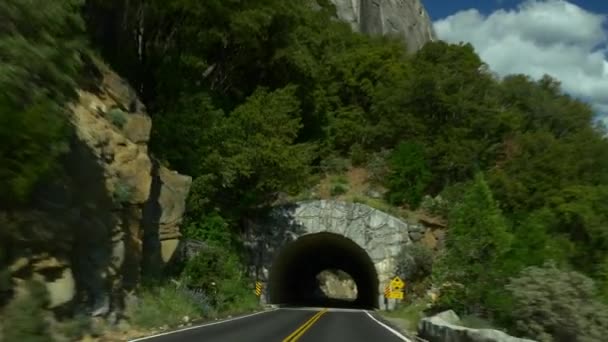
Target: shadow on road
{"points": [[326, 303]]}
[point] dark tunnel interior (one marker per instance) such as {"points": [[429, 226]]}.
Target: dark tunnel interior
{"points": [[293, 274]]}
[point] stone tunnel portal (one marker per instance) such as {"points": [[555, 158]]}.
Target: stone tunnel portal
{"points": [[292, 278]]}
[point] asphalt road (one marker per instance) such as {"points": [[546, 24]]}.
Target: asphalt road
{"points": [[289, 325]]}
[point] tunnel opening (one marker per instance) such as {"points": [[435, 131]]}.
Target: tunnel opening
{"points": [[293, 278]]}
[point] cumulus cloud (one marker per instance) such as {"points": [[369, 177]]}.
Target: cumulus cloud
{"points": [[552, 37]]}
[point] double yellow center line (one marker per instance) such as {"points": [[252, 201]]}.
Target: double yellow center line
{"points": [[294, 336]]}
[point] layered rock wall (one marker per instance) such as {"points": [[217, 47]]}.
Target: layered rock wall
{"points": [[116, 209]]}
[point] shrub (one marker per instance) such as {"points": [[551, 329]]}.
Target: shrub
{"points": [[212, 228], [415, 262], [411, 314], [377, 166], [24, 318], [123, 192], [73, 329], [555, 305], [335, 164], [409, 175], [358, 155], [477, 244], [218, 273], [164, 305], [117, 117], [338, 189]]}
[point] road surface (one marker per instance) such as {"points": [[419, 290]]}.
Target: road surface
{"points": [[289, 325]]}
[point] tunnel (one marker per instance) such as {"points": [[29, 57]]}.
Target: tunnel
{"points": [[293, 274]]}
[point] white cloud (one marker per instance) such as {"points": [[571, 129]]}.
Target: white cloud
{"points": [[551, 37]]}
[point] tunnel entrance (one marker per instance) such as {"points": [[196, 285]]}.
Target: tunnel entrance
{"points": [[293, 275]]}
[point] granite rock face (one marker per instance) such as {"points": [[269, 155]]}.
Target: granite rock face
{"points": [[407, 19], [444, 327], [115, 205]]}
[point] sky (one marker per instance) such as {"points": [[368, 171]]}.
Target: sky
{"points": [[565, 39]]}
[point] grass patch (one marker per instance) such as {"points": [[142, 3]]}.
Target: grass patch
{"points": [[339, 185], [73, 329], [24, 319], [166, 305], [411, 314], [475, 322]]}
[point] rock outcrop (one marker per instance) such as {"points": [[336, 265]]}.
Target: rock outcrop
{"points": [[117, 210], [407, 19], [337, 284], [444, 327]]}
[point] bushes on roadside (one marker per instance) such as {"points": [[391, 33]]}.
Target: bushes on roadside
{"points": [[556, 305], [218, 272], [415, 262], [24, 319], [165, 305], [476, 246]]}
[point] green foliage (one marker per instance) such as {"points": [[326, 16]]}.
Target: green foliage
{"points": [[338, 185], [411, 313], [40, 45], [117, 117], [414, 263], [409, 174], [338, 189], [556, 305], [476, 245], [73, 329], [212, 229], [24, 318], [164, 305], [377, 166], [334, 164], [358, 155], [217, 271], [266, 91], [123, 192]]}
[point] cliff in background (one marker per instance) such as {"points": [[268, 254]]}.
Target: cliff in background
{"points": [[407, 19]]}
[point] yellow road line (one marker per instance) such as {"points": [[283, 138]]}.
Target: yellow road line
{"points": [[294, 336]]}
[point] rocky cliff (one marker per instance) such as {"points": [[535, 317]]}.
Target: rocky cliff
{"points": [[118, 209], [407, 19]]}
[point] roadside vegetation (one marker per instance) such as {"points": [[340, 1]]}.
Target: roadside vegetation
{"points": [[271, 97]]}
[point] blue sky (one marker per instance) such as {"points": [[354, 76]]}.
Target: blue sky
{"points": [[439, 9], [567, 39]]}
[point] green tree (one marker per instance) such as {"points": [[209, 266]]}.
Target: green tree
{"points": [[476, 245], [409, 174], [40, 42]]}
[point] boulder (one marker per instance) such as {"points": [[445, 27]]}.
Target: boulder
{"points": [[444, 327], [337, 284]]}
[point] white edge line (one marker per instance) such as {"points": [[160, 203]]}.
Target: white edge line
{"points": [[395, 332], [201, 326]]}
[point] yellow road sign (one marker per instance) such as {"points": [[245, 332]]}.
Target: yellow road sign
{"points": [[258, 288], [395, 295], [397, 284]]}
